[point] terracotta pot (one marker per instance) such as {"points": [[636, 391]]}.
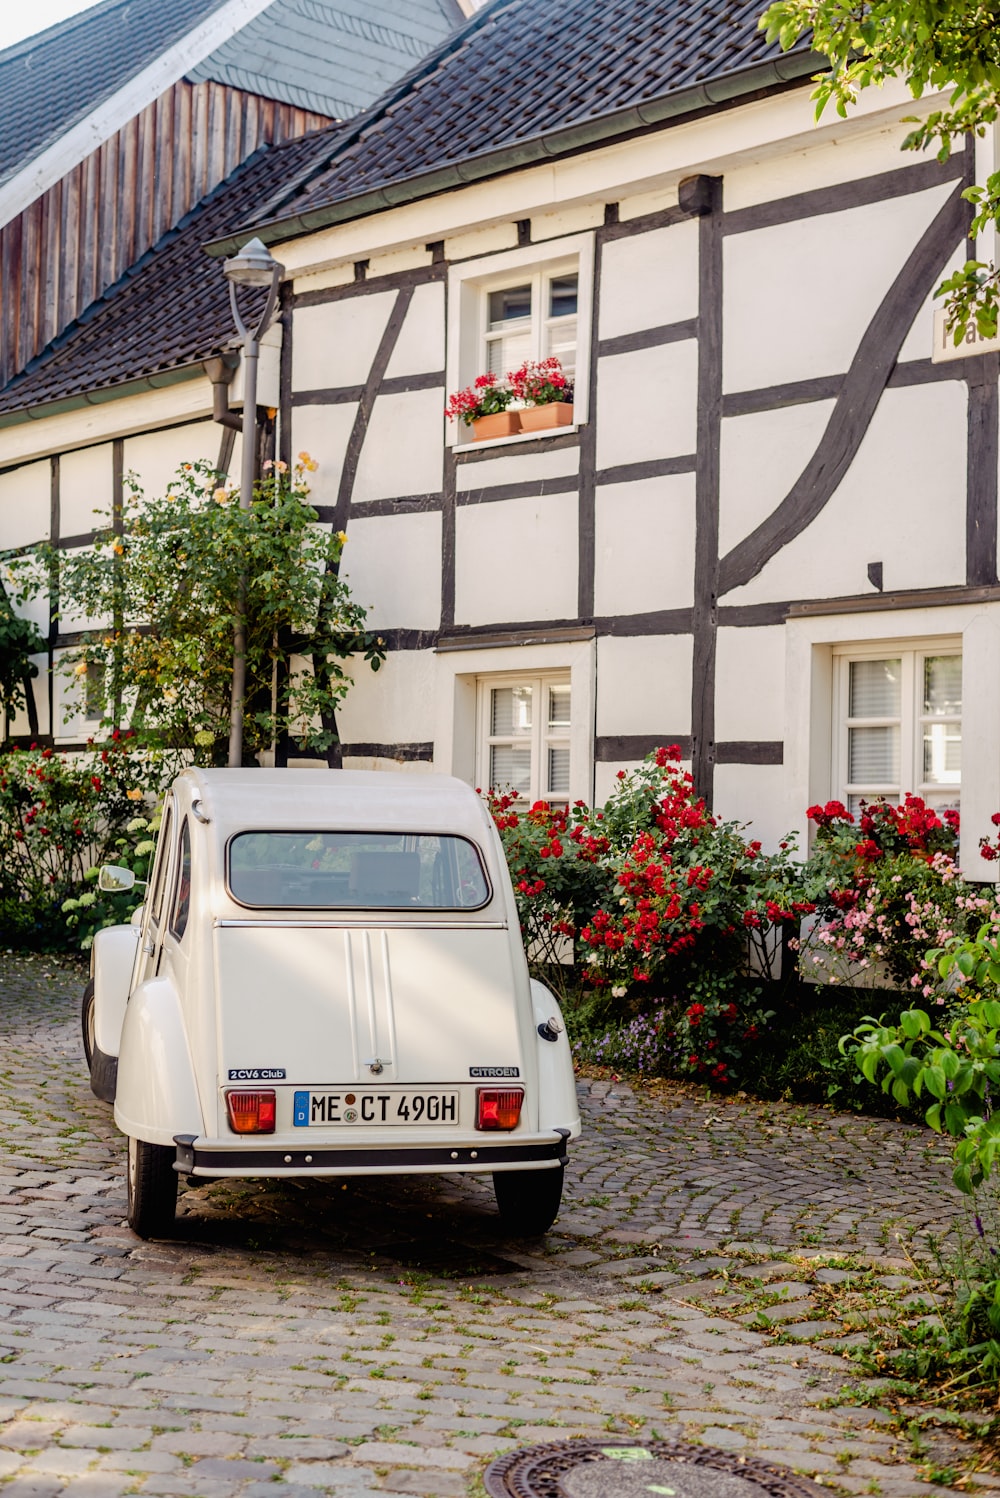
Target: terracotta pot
{"points": [[501, 424], [544, 418]]}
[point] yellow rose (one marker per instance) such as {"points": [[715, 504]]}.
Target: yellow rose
{"points": [[80, 669], [134, 795], [342, 537], [220, 496]]}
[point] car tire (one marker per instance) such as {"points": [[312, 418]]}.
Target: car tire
{"points": [[152, 1188], [528, 1200], [87, 1021]]}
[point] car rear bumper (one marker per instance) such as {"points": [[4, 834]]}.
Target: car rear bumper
{"points": [[220, 1157]]}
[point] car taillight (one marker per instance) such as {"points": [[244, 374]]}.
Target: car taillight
{"points": [[498, 1107], [251, 1112]]}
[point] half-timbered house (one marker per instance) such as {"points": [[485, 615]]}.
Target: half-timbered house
{"points": [[769, 534]]}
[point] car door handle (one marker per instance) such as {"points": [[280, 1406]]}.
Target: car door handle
{"points": [[147, 949]]}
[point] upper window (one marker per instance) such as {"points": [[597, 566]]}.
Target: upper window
{"points": [[162, 859], [899, 725], [524, 738], [368, 870], [532, 318], [525, 304]]}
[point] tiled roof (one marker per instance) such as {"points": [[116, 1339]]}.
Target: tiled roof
{"points": [[521, 68], [334, 57], [170, 310], [52, 81], [331, 56]]}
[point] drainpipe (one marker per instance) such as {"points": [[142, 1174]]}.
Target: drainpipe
{"points": [[221, 371]]}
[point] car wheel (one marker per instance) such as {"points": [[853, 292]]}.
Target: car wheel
{"points": [[528, 1200], [87, 1016], [152, 1188]]}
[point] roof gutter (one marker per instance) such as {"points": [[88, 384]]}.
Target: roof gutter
{"points": [[565, 140], [102, 396]]}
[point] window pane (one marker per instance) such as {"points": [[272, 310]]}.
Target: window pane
{"points": [[943, 684], [510, 765], [559, 772], [559, 707], [162, 858], [94, 690], [560, 341], [875, 690], [563, 296], [512, 302], [511, 713], [508, 352], [873, 756], [371, 870], [182, 894], [942, 753]]}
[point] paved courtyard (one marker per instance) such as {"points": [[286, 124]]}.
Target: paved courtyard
{"points": [[379, 1336]]}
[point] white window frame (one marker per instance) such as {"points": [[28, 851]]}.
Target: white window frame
{"points": [[469, 284], [459, 673], [541, 739], [912, 654]]}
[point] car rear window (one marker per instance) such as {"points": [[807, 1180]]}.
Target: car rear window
{"points": [[366, 870]]}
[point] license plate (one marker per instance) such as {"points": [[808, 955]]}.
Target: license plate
{"points": [[374, 1108]]}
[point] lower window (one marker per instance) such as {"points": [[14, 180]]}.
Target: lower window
{"points": [[523, 741], [898, 724]]}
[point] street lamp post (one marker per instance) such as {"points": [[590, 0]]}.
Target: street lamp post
{"points": [[252, 266]]}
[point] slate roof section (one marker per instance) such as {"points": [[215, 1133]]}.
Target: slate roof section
{"points": [[52, 81], [521, 68], [331, 56], [169, 311]]}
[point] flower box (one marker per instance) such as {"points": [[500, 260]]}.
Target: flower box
{"points": [[499, 424], [544, 418]]}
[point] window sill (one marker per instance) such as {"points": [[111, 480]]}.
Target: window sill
{"points": [[460, 447]]}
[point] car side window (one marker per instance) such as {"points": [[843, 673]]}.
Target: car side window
{"points": [[182, 888], [162, 859]]}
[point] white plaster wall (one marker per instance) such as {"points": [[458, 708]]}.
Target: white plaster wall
{"points": [[560, 463], [516, 560], [334, 344], [566, 221], [323, 432], [754, 794], [25, 504], [761, 457], [420, 347], [606, 777], [644, 685], [394, 705], [393, 565], [798, 297], [85, 486], [808, 165], [639, 204], [39, 687], [750, 672], [156, 456], [647, 404], [645, 545], [901, 503], [919, 341], [649, 279], [403, 451]]}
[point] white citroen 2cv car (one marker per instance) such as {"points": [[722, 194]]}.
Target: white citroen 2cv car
{"points": [[327, 978]]}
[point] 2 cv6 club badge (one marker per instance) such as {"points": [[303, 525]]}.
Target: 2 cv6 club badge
{"points": [[359, 930]]}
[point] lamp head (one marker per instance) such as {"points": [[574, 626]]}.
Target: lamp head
{"points": [[254, 265]]}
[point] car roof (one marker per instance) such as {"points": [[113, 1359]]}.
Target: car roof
{"points": [[348, 800]]}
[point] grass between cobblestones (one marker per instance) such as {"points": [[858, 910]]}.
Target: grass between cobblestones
{"points": [[722, 1271]]}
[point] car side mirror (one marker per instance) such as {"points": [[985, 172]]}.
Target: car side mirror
{"points": [[114, 880]]}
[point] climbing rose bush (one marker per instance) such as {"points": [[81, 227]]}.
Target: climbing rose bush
{"points": [[887, 888]]}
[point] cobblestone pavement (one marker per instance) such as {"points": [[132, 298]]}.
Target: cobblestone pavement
{"points": [[379, 1336]]}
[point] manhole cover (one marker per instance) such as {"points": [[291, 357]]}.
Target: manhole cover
{"points": [[617, 1469]]}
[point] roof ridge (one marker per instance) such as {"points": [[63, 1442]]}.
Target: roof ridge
{"points": [[439, 57]]}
